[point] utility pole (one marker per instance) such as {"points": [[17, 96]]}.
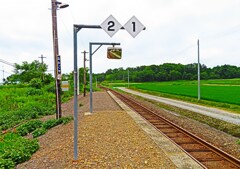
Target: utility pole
{"points": [[56, 54], [128, 78], [199, 96], [84, 73], [42, 66]]}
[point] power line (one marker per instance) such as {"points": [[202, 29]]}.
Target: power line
{"points": [[6, 62]]}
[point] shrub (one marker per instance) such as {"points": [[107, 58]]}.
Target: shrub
{"points": [[65, 120], [17, 155], [238, 142], [50, 88], [36, 83], [33, 91], [51, 123], [38, 132], [28, 127], [6, 163], [16, 148]]}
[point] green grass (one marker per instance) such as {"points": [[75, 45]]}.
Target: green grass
{"points": [[19, 104], [226, 94], [15, 149], [223, 93]]}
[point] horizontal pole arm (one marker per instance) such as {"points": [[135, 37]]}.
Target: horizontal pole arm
{"points": [[79, 27]]}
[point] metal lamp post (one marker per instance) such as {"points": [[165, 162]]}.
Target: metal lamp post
{"points": [[199, 65], [57, 63]]}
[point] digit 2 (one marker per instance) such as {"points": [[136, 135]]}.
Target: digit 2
{"points": [[111, 24]]}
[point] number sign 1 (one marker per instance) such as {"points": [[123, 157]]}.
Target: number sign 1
{"points": [[134, 26], [111, 26]]}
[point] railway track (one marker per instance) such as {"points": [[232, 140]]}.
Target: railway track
{"points": [[199, 150]]}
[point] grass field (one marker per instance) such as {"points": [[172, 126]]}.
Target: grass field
{"points": [[214, 92], [223, 93]]}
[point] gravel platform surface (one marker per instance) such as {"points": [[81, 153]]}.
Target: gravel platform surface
{"points": [[109, 138]]}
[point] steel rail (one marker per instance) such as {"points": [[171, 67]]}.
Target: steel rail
{"points": [[230, 160]]}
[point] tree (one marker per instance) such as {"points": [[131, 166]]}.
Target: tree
{"points": [[25, 72], [171, 71], [175, 75]]}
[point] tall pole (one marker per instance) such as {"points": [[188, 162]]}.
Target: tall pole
{"points": [[84, 72], [75, 94], [90, 76], [42, 66], [56, 54], [128, 78], [199, 97], [78, 83], [90, 65]]}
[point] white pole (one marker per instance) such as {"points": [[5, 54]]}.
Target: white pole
{"points": [[199, 97], [128, 78]]}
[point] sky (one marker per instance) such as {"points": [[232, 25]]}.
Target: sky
{"points": [[172, 30]]}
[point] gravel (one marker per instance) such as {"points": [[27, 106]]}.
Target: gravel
{"points": [[218, 138], [212, 112], [109, 138]]}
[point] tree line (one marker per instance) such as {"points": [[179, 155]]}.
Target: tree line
{"points": [[34, 73], [169, 72]]}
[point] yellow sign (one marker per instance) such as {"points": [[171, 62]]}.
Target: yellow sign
{"points": [[65, 86]]}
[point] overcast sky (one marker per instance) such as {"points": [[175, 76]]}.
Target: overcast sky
{"points": [[172, 30]]}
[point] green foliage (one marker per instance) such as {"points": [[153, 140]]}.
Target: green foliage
{"points": [[28, 127], [168, 72], [16, 148], [34, 72], [38, 132], [36, 83], [33, 91], [20, 103], [65, 120], [50, 123], [50, 88], [238, 142], [6, 164]]}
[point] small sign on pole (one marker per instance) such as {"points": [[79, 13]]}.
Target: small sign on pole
{"points": [[65, 86], [59, 76]]}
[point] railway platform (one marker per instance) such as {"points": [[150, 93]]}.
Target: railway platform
{"points": [[113, 136]]}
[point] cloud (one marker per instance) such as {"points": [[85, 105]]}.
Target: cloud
{"points": [[173, 28]]}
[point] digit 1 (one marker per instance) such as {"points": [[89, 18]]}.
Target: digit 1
{"points": [[134, 26]]}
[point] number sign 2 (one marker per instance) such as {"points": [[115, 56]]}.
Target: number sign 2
{"points": [[111, 26]]}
